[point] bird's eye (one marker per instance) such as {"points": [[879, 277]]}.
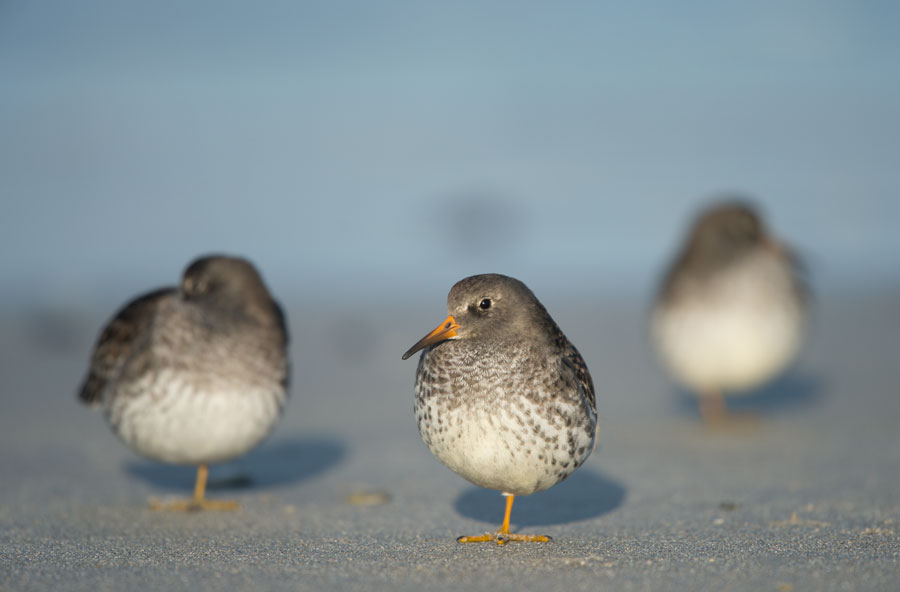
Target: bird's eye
{"points": [[485, 304]]}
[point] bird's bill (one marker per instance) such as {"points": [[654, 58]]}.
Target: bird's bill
{"points": [[773, 245], [782, 251], [446, 330], [770, 242]]}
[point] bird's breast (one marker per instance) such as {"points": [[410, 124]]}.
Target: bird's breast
{"points": [[504, 423]]}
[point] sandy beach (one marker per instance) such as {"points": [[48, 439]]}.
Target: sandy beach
{"points": [[344, 495]]}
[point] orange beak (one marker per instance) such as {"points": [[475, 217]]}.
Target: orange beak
{"points": [[772, 244], [784, 252], [446, 330]]}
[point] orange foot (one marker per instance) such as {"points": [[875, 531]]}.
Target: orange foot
{"points": [[503, 536], [717, 417], [198, 502], [193, 505]]}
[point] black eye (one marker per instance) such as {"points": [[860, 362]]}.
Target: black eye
{"points": [[485, 304]]}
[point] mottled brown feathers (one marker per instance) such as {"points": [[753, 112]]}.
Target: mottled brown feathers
{"points": [[116, 342]]}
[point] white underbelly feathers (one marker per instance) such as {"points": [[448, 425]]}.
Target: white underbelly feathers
{"points": [[176, 418], [516, 449], [733, 335]]}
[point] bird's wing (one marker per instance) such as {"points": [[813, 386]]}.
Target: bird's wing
{"points": [[573, 360], [116, 342], [801, 274], [577, 369], [286, 339], [282, 321]]}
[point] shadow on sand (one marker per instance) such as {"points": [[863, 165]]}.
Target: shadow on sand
{"points": [[586, 494], [275, 463], [789, 392]]}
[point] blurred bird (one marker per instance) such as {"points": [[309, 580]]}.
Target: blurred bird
{"points": [[502, 397], [196, 374], [731, 310]]}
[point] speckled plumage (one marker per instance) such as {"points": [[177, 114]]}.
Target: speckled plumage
{"points": [[508, 403], [196, 374], [731, 310]]}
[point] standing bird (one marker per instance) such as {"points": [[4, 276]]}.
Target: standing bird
{"points": [[731, 310], [196, 374], [502, 397]]}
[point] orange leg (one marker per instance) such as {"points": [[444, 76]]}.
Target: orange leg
{"points": [[712, 408], [503, 536], [199, 501], [715, 414]]}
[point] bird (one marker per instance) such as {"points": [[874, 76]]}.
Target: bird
{"points": [[195, 374], [731, 309], [501, 396]]}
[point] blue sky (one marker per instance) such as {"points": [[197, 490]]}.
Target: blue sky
{"points": [[341, 144]]}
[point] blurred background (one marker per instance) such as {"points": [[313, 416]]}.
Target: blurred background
{"points": [[354, 149], [368, 155]]}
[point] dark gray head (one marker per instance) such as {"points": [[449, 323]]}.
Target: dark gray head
{"points": [[723, 233], [227, 283], [490, 307]]}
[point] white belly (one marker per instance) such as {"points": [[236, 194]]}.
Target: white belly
{"points": [[495, 447], [735, 335], [170, 419]]}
